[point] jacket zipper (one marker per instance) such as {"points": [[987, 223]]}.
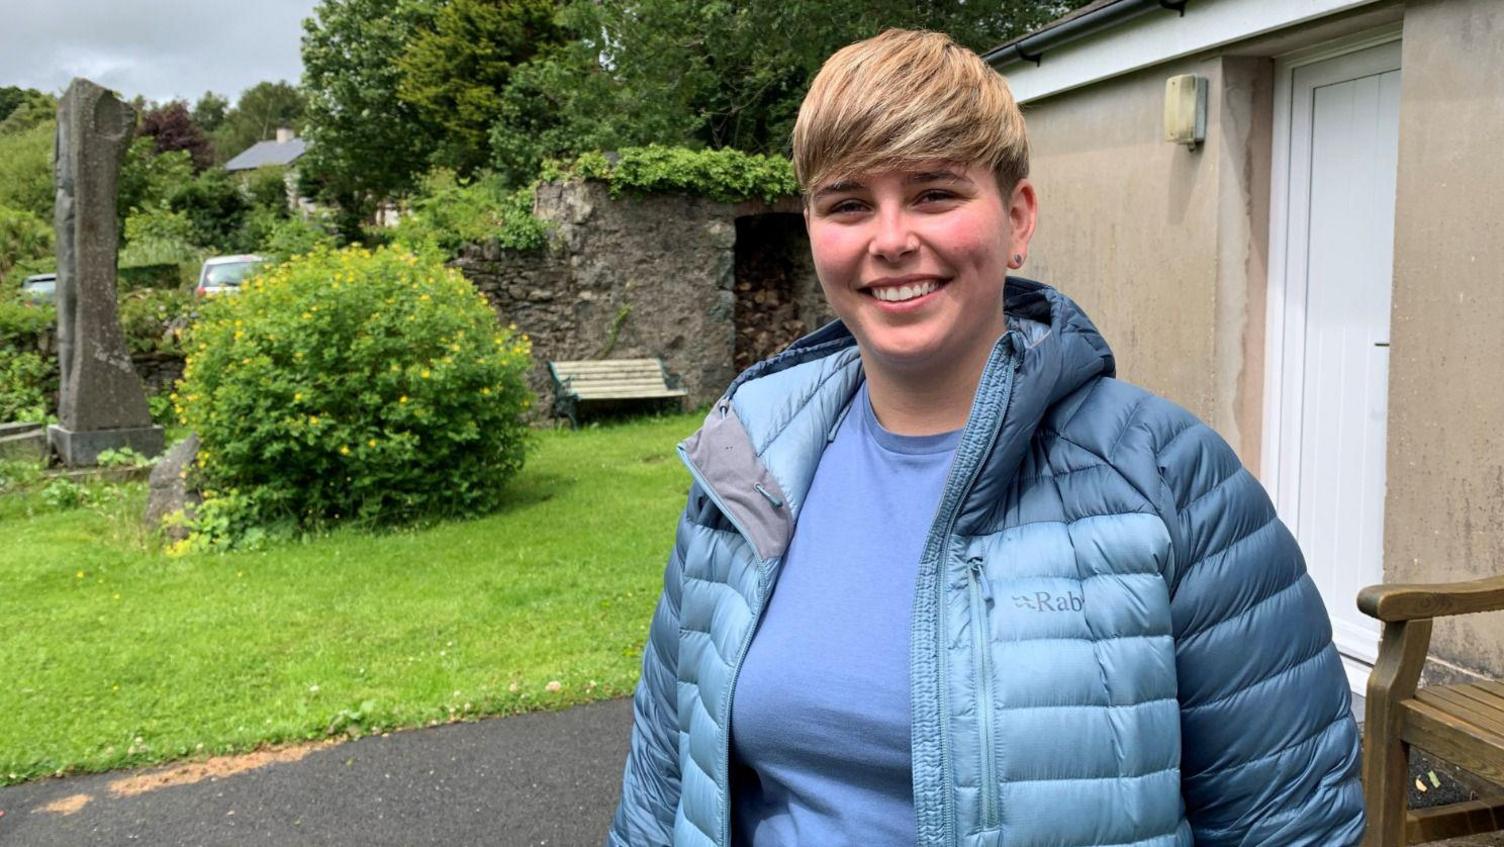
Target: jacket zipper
{"points": [[981, 599], [934, 545], [724, 776]]}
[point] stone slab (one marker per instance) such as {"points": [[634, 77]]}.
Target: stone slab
{"points": [[169, 490], [21, 427], [31, 445], [24, 445], [77, 449]]}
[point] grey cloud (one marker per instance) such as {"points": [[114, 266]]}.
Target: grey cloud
{"points": [[174, 49]]}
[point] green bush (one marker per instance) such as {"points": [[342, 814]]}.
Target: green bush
{"points": [[155, 320], [26, 385], [26, 169], [726, 175], [295, 236], [266, 187], [376, 386], [448, 213], [23, 237], [23, 323]]}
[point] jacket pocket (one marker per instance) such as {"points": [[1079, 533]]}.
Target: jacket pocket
{"points": [[980, 593]]}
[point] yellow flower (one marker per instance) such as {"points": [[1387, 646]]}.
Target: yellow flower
{"points": [[402, 399], [296, 396], [371, 443], [313, 420], [425, 373], [344, 450]]}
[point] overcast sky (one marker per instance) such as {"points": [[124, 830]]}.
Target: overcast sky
{"points": [[162, 49]]}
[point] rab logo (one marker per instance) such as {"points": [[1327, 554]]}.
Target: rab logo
{"points": [[1044, 601]]}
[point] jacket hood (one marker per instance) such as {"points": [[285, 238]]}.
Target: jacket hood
{"points": [[768, 431]]}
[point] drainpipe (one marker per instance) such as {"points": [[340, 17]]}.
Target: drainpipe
{"points": [[1031, 48]]}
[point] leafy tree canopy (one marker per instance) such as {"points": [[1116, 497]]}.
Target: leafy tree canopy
{"points": [[365, 143], [171, 128], [12, 97], [26, 168], [733, 74], [261, 111], [459, 61], [209, 111], [29, 108]]}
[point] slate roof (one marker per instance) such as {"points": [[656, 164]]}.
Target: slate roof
{"points": [[267, 153]]}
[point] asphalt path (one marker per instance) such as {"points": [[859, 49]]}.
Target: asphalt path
{"points": [[548, 778]]}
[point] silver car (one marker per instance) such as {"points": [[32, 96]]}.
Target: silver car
{"points": [[40, 288], [223, 274]]}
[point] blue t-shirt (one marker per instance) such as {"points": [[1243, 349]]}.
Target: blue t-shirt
{"points": [[820, 715]]}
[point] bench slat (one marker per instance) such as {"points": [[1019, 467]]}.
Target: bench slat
{"points": [[575, 384], [631, 395]]}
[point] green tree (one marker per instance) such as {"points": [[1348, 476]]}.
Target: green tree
{"points": [[26, 167], [365, 143], [733, 74], [31, 109], [560, 104], [12, 97], [455, 67], [261, 110], [209, 112], [147, 179]]}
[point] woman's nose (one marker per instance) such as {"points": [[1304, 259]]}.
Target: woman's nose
{"points": [[893, 237]]}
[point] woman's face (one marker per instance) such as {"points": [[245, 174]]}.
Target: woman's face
{"points": [[913, 261]]}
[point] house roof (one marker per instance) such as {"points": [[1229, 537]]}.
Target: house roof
{"points": [[264, 153], [1091, 18]]}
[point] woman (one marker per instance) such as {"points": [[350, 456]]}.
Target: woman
{"points": [[1017, 601]]}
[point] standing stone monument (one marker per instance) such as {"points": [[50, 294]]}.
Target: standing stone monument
{"points": [[102, 404]]}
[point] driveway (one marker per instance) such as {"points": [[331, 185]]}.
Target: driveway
{"points": [[550, 778]]}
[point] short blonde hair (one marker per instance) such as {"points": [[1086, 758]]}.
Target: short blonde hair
{"points": [[902, 98]]}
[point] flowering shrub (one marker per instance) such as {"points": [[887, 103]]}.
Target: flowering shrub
{"points": [[353, 384]]}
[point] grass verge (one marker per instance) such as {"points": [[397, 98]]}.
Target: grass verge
{"points": [[116, 655]]}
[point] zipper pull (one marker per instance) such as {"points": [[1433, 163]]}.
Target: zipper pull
{"points": [[979, 573]]}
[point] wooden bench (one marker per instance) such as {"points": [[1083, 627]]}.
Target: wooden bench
{"points": [[1461, 724], [608, 382]]}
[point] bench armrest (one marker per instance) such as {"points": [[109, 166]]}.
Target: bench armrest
{"points": [[1413, 601]]}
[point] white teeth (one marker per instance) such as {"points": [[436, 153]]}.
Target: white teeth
{"points": [[900, 293]]}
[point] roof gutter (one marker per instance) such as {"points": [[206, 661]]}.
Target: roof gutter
{"points": [[1032, 47]]}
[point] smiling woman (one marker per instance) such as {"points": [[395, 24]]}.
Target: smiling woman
{"points": [[1017, 600]]}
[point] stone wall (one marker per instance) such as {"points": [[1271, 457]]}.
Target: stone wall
{"points": [[642, 276]]}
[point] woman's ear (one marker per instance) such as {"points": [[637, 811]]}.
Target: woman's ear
{"points": [[1023, 214]]}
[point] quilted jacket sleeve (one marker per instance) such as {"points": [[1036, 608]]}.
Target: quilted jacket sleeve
{"points": [[1269, 746], [650, 783]]}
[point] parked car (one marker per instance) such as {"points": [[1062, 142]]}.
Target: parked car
{"points": [[40, 288], [223, 274]]}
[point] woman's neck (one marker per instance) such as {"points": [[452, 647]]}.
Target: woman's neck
{"points": [[928, 401]]}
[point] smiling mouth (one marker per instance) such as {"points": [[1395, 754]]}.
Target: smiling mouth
{"points": [[906, 292]]}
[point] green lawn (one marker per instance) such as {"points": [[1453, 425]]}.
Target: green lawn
{"points": [[115, 654]]}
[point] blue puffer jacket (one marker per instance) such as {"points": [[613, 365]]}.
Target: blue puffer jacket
{"points": [[1114, 638]]}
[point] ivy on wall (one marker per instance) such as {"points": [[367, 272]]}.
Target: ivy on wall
{"points": [[729, 176]]}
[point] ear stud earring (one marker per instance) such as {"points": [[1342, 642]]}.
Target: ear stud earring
{"points": [[1018, 260]]}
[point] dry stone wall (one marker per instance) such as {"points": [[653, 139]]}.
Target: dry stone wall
{"points": [[643, 276]]}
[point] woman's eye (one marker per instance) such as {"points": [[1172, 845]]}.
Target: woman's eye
{"points": [[844, 206], [935, 195]]}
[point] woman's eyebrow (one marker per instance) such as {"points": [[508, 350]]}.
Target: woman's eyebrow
{"points": [[839, 187], [937, 176]]}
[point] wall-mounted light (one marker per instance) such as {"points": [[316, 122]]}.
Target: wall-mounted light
{"points": [[1185, 110]]}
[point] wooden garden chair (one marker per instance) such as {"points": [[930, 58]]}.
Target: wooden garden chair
{"points": [[1461, 724]]}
